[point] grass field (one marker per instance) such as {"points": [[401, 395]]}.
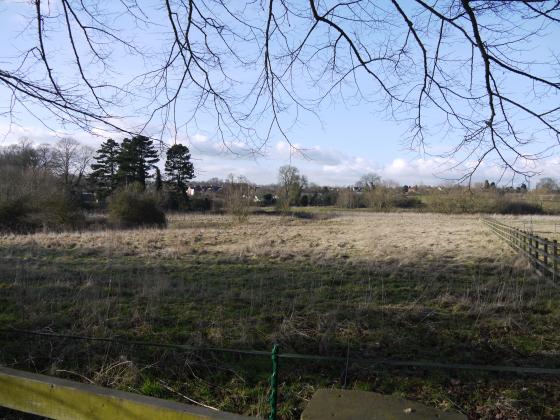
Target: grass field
{"points": [[401, 285]]}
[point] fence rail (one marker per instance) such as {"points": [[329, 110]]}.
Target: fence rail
{"points": [[541, 252], [62, 399]]}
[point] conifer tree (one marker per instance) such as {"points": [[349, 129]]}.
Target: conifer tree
{"points": [[137, 157], [104, 170], [179, 168], [159, 182]]}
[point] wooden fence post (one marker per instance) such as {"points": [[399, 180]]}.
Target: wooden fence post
{"points": [[536, 245], [545, 252]]}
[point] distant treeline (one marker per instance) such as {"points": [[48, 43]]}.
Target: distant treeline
{"points": [[55, 186], [52, 187]]}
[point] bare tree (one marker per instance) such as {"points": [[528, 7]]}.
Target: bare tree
{"points": [[290, 186], [71, 159], [369, 181], [474, 71], [65, 152], [82, 162], [45, 157], [23, 171], [239, 193]]}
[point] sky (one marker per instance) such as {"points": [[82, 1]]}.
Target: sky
{"points": [[345, 141]]}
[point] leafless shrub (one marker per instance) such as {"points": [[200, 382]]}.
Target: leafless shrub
{"points": [[239, 194]]}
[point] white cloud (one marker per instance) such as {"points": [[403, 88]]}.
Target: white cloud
{"points": [[315, 154], [10, 134], [324, 166], [204, 146]]}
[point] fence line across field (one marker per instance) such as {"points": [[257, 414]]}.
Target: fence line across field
{"points": [[542, 252], [276, 354], [422, 364]]}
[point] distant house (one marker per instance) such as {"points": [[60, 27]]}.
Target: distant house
{"points": [[190, 191]]}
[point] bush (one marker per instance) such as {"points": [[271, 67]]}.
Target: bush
{"points": [[238, 198], [406, 202], [268, 199], [453, 202], [379, 198], [172, 200], [520, 207], [200, 204], [30, 213], [15, 216], [132, 208], [347, 199], [457, 201], [60, 212]]}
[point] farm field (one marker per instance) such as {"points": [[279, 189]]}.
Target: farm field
{"points": [[403, 286]]}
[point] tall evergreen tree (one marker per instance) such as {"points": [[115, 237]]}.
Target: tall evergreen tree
{"points": [[137, 157], [104, 170], [179, 168], [159, 182]]}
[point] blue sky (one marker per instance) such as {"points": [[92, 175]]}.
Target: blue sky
{"points": [[348, 139]]}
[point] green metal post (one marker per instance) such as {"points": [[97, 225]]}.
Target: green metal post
{"points": [[273, 399]]}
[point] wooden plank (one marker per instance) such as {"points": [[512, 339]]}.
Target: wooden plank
{"points": [[63, 399], [554, 261], [505, 228]]}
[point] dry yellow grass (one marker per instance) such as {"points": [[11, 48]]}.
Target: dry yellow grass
{"points": [[398, 285], [405, 237]]}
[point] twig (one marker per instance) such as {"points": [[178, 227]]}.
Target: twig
{"points": [[77, 374], [185, 397]]}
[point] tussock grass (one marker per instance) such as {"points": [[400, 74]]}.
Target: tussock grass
{"points": [[400, 285]]}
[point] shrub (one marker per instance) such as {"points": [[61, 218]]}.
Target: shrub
{"points": [[29, 213], [238, 194], [60, 212], [406, 202], [172, 200], [457, 201], [200, 204], [268, 199], [15, 216], [347, 199], [379, 198], [452, 202], [520, 207], [132, 208]]}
